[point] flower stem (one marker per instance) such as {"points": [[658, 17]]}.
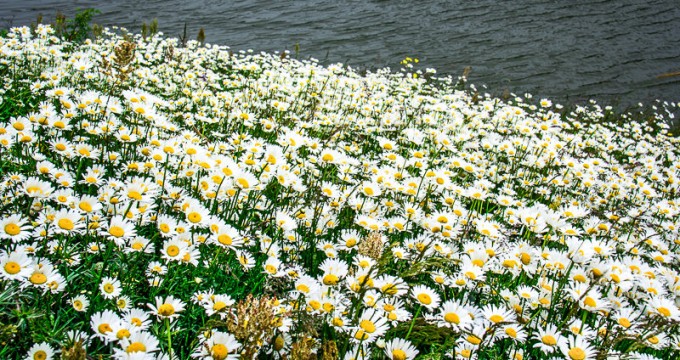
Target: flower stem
{"points": [[420, 307], [167, 330]]}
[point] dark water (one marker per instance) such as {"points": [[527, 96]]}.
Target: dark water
{"points": [[612, 51]]}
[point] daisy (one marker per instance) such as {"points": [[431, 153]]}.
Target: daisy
{"points": [[88, 204], [119, 230], [246, 259], [167, 308], [664, 308], [123, 302], [497, 314], [41, 351], [138, 343], [273, 267], [400, 349], [453, 315], [577, 348], [425, 296], [138, 318], [548, 338], [80, 303], [371, 189], [191, 255], [371, 326], [306, 284], [197, 215], [218, 346], [140, 244], [102, 323], [121, 330], [15, 266], [156, 268], [14, 228], [333, 271], [37, 188], [245, 180], [217, 304], [515, 332], [225, 235], [67, 222], [110, 287], [166, 225], [174, 249]]}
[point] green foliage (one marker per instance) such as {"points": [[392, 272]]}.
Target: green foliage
{"points": [[78, 28]]}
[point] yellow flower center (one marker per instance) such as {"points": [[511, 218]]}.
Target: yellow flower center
{"points": [[588, 301], [338, 322], [452, 318], [496, 318], [219, 306], [166, 310], [549, 340], [279, 343], [303, 288], [65, 224], [78, 305], [473, 339], [577, 353], [135, 347], [368, 326], [243, 183], [172, 250], [664, 311], [85, 206], [219, 352], [12, 267], [424, 298], [116, 231], [40, 355], [108, 288], [361, 335], [38, 278], [104, 328], [194, 217], [330, 279], [122, 334], [224, 239], [624, 322], [132, 194], [398, 354], [511, 332], [12, 229]]}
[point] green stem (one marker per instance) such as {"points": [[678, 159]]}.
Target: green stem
{"points": [[167, 330], [420, 307]]}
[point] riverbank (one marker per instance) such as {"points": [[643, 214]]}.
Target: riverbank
{"points": [[162, 199], [570, 53]]}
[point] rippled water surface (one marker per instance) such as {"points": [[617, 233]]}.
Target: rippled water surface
{"points": [[612, 51]]}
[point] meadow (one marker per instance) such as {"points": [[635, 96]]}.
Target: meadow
{"points": [[167, 199]]}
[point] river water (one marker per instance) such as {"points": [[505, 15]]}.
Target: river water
{"points": [[570, 51]]}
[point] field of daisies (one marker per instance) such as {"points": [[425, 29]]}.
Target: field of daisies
{"points": [[161, 200]]}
